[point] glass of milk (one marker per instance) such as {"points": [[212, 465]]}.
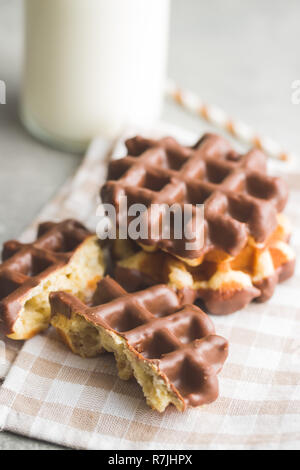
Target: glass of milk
{"points": [[92, 67]]}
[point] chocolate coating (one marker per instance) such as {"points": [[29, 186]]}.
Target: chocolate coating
{"points": [[267, 286], [180, 341], [26, 265], [216, 302], [240, 199]]}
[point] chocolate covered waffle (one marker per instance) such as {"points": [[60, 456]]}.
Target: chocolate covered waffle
{"points": [[64, 256], [224, 286], [171, 350], [244, 250], [240, 200]]}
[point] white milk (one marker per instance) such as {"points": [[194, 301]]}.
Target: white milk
{"points": [[92, 67]]}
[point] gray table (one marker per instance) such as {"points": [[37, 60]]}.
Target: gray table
{"points": [[240, 55]]}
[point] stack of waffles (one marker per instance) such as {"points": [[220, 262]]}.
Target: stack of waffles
{"points": [[146, 314], [242, 250], [172, 350]]}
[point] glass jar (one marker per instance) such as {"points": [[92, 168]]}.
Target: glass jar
{"points": [[92, 67]]}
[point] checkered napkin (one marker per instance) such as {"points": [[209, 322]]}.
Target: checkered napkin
{"points": [[51, 394]]}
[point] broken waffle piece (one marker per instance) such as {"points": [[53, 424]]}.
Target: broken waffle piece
{"points": [[240, 199], [224, 284], [171, 350], [64, 256]]}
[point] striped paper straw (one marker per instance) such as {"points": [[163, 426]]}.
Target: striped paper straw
{"points": [[220, 119]]}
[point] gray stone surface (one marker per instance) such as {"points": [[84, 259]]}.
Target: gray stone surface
{"points": [[240, 55]]}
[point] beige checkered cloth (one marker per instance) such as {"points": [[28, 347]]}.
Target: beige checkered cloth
{"points": [[50, 394]]}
